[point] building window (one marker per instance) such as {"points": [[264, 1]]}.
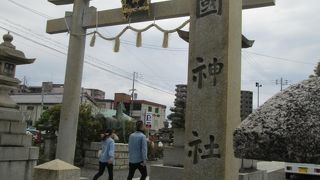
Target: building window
{"points": [[156, 110], [149, 109], [30, 108], [136, 106]]}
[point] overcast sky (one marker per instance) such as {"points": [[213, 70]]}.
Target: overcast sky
{"points": [[286, 46]]}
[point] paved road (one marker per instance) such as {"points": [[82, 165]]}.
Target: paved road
{"points": [[275, 170], [117, 174]]}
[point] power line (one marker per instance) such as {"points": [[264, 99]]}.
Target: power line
{"points": [[149, 46], [87, 62], [31, 10], [279, 58], [60, 45], [29, 39], [147, 85], [33, 34], [141, 61]]}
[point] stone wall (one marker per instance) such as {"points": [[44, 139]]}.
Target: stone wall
{"points": [[17, 156], [121, 156]]}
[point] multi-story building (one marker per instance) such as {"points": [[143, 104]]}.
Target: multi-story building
{"points": [[99, 97], [34, 100], [246, 104], [138, 109]]}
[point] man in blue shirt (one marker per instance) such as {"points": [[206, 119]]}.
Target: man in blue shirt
{"points": [[138, 152], [106, 158]]}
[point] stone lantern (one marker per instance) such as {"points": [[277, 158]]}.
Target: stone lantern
{"points": [[9, 58], [17, 156]]}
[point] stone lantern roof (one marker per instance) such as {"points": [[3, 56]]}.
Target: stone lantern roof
{"points": [[9, 58], [9, 53]]}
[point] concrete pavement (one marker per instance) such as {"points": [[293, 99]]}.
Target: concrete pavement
{"points": [[117, 174], [275, 172]]}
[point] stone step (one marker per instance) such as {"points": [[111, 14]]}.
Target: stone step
{"points": [[161, 172], [15, 127], [256, 175], [10, 114], [15, 140], [173, 156], [19, 153], [16, 170]]}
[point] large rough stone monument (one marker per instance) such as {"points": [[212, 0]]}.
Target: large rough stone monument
{"points": [[17, 156], [173, 156], [285, 128]]}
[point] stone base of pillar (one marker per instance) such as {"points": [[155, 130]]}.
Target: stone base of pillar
{"points": [[255, 175], [173, 159], [173, 156], [13, 170], [56, 170], [248, 164]]}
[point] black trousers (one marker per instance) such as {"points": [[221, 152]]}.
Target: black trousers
{"points": [[132, 169], [102, 167]]}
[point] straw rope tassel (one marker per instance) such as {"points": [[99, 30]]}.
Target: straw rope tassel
{"points": [[165, 40], [139, 40], [93, 40], [116, 45]]}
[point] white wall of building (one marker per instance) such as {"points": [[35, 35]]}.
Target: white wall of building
{"points": [[158, 113]]}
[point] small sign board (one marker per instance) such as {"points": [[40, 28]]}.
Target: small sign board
{"points": [[148, 119]]}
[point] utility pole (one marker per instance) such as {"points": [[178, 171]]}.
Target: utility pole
{"points": [[135, 75], [282, 83], [258, 85], [42, 98]]}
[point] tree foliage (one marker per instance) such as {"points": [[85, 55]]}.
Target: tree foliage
{"points": [[89, 127], [50, 117]]}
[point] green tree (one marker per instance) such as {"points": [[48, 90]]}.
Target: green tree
{"points": [[50, 117], [89, 127]]}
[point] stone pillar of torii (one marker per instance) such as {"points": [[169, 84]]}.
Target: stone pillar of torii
{"points": [[214, 76]]}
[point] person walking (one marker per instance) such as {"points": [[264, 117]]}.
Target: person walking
{"points": [[138, 152], [106, 157]]}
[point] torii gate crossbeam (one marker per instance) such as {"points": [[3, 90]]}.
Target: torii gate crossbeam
{"points": [[158, 11]]}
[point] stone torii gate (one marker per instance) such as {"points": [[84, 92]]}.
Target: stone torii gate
{"points": [[213, 104]]}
